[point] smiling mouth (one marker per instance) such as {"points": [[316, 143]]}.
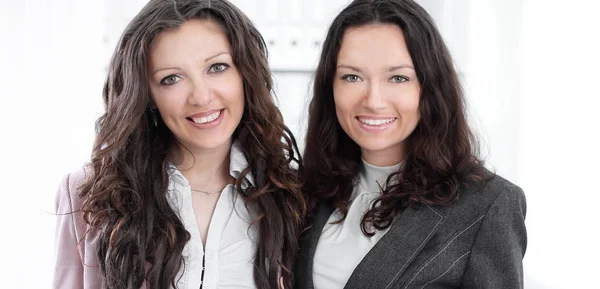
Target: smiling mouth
{"points": [[206, 119], [376, 122]]}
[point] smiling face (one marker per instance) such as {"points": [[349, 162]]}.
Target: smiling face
{"points": [[195, 85], [376, 91]]}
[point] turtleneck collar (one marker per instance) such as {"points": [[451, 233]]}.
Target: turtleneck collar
{"points": [[372, 177]]}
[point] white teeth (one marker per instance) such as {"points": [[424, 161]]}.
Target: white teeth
{"points": [[208, 118], [375, 122]]}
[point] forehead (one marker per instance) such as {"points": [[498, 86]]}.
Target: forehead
{"points": [[195, 38], [372, 43]]}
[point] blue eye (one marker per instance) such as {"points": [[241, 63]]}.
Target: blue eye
{"points": [[351, 78], [170, 80], [218, 67], [399, 79]]}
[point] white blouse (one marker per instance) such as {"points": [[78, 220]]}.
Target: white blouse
{"points": [[342, 246], [231, 242]]}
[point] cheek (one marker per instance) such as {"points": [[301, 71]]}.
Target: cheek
{"points": [[412, 106], [231, 89], [169, 102], [345, 99], [342, 111], [161, 100], [409, 104], [235, 97]]}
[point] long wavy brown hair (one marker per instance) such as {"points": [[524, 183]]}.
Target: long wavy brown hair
{"points": [[442, 151], [140, 238]]}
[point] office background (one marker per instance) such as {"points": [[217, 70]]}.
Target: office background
{"points": [[529, 69]]}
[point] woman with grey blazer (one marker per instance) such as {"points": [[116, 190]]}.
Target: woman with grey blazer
{"points": [[399, 196]]}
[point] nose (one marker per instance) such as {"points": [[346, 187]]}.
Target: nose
{"points": [[200, 93], [375, 99]]}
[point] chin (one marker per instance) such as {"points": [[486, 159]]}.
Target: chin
{"points": [[375, 146], [378, 144], [211, 142], [216, 143]]}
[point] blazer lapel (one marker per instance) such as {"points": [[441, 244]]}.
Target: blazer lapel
{"points": [[308, 245], [390, 257]]}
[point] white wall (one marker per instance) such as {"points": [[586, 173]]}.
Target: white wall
{"points": [[50, 96], [560, 140], [529, 67]]}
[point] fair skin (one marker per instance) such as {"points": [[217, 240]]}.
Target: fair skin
{"points": [[198, 92], [376, 92]]}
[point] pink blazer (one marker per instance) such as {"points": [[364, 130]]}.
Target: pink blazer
{"points": [[76, 264]]}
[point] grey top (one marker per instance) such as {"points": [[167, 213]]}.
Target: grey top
{"points": [[476, 242], [342, 245]]}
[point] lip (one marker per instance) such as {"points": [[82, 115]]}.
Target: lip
{"points": [[210, 124], [378, 128], [375, 116], [204, 113]]}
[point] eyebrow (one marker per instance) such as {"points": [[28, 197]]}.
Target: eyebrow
{"points": [[166, 68], [404, 66], [218, 54], [205, 60]]}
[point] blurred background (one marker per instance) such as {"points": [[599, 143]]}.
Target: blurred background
{"points": [[530, 69]]}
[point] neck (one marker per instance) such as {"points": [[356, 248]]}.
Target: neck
{"points": [[205, 169], [384, 158]]}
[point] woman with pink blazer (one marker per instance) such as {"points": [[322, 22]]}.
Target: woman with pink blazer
{"points": [[190, 184]]}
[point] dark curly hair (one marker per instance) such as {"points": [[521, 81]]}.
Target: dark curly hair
{"points": [[442, 152], [124, 197]]}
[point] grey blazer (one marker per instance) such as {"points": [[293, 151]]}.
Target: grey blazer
{"points": [[476, 242]]}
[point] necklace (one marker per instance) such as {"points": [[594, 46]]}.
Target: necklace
{"points": [[206, 192]]}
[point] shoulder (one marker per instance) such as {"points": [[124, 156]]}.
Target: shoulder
{"points": [[497, 190], [76, 261], [476, 199], [70, 220], [67, 196]]}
